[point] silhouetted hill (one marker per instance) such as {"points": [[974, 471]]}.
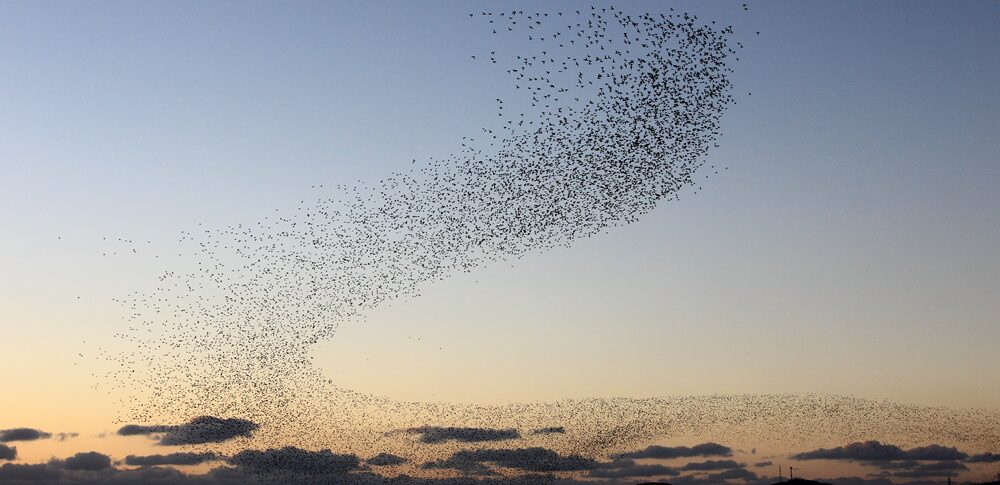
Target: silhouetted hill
{"points": [[802, 481]]}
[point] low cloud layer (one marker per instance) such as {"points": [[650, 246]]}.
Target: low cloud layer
{"points": [[87, 461], [15, 471], [534, 466], [712, 465], [8, 452], [627, 468], [386, 459], [436, 434], [22, 434], [933, 469], [734, 474], [985, 458], [665, 452], [295, 461], [922, 463], [873, 451], [525, 459], [170, 459], [203, 429]]}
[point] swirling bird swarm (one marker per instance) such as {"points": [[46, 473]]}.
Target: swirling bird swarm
{"points": [[619, 112], [623, 110]]}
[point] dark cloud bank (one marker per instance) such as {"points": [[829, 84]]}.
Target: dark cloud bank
{"points": [[873, 451], [436, 434], [22, 434], [525, 459], [472, 466], [931, 461], [385, 459], [171, 459], [919, 466], [200, 430], [8, 452], [662, 452], [87, 461]]}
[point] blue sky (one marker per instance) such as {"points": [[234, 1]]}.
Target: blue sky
{"points": [[849, 248], [859, 200]]}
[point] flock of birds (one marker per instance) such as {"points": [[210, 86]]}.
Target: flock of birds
{"points": [[611, 114]]}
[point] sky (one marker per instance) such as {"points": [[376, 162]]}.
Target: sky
{"points": [[849, 248]]}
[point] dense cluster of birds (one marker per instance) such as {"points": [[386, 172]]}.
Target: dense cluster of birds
{"points": [[611, 113]]}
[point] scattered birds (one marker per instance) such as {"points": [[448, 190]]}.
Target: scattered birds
{"points": [[611, 114], [600, 131]]}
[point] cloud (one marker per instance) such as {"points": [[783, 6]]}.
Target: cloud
{"points": [[663, 452], [624, 468], [532, 459], [859, 481], [136, 429], [8, 452], [385, 459], [292, 466], [873, 451], [867, 451], [66, 436], [988, 457], [712, 465], [12, 471], [635, 471], [22, 434], [226, 473], [734, 474], [550, 430], [436, 434], [155, 474], [170, 459], [480, 466], [203, 429], [938, 469], [899, 465], [87, 460], [763, 463], [935, 453], [527, 459], [465, 466], [730, 476], [294, 460]]}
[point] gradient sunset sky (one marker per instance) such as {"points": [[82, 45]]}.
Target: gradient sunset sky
{"points": [[850, 248]]}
